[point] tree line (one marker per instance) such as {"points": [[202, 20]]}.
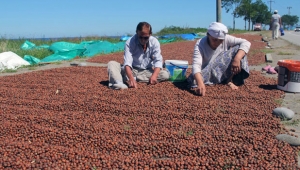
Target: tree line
{"points": [[255, 12]]}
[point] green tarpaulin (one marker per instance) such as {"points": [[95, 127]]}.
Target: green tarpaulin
{"points": [[68, 51]]}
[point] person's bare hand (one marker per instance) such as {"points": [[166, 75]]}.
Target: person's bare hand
{"points": [[153, 80], [132, 83], [236, 67], [200, 90]]}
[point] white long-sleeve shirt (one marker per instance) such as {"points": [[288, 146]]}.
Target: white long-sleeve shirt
{"points": [[276, 18], [203, 53]]}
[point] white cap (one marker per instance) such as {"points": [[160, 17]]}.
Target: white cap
{"points": [[275, 11], [217, 30]]}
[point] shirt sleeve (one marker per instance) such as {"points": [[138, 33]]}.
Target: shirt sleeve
{"points": [[157, 57], [127, 54], [197, 58], [243, 43]]}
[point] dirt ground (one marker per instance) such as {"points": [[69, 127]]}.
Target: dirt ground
{"points": [[280, 49], [284, 50]]}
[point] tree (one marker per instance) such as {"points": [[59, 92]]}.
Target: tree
{"points": [[244, 10], [251, 12], [260, 13], [231, 5], [289, 20]]}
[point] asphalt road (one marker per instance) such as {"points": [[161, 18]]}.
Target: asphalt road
{"points": [[292, 36]]}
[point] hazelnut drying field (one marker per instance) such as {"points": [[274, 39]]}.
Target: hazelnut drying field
{"points": [[67, 118]]}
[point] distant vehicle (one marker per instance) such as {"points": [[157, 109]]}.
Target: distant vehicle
{"points": [[297, 29], [257, 27]]}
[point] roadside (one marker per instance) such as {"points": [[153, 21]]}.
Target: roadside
{"points": [[46, 66], [279, 49], [282, 49]]}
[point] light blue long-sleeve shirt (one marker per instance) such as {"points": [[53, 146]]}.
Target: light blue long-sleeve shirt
{"points": [[134, 55]]}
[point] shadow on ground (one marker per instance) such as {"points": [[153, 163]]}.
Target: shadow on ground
{"points": [[184, 86], [268, 87]]}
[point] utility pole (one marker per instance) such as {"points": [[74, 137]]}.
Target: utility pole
{"points": [[219, 10], [271, 5], [289, 9]]}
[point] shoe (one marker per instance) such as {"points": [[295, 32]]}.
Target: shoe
{"points": [[276, 68], [271, 70], [266, 68], [119, 86]]}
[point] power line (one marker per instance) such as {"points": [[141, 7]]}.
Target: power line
{"points": [[289, 10], [271, 5], [219, 10]]}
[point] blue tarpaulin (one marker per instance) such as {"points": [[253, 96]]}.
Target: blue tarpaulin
{"points": [[124, 38], [190, 36]]}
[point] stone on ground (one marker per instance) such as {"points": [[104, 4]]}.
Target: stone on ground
{"points": [[293, 141], [284, 113], [269, 58]]}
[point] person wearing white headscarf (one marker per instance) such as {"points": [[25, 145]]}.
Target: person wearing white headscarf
{"points": [[219, 58], [275, 23]]}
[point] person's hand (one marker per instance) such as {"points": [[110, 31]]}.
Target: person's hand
{"points": [[235, 66], [200, 90], [132, 83], [153, 80]]}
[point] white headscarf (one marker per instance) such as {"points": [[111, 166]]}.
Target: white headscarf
{"points": [[217, 30]]}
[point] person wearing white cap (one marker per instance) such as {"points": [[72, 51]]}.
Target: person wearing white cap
{"points": [[275, 23], [219, 58]]}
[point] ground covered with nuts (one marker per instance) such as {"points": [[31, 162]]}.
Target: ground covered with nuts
{"points": [[67, 118], [185, 50]]}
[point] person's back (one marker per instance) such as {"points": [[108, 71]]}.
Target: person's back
{"points": [[275, 23], [276, 18]]}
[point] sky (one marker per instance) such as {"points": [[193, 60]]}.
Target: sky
{"points": [[75, 18]]}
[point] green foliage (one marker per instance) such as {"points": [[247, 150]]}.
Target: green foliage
{"points": [[289, 20], [179, 30], [285, 53], [236, 31], [267, 51], [14, 45], [190, 133], [9, 71], [260, 13], [279, 101], [294, 122], [230, 4], [257, 11]]}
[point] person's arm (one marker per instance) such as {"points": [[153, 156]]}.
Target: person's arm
{"points": [[197, 65], [271, 20], [236, 63], [153, 78], [244, 47], [197, 58], [128, 59], [200, 84], [131, 81], [157, 61], [280, 21], [243, 43]]}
